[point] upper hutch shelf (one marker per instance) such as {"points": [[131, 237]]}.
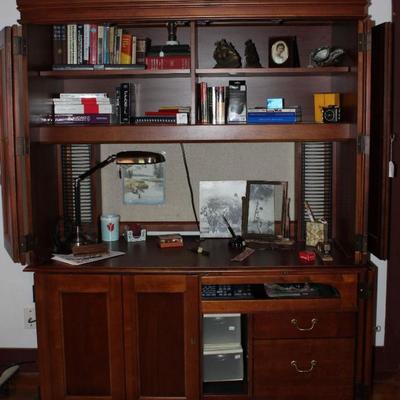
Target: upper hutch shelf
{"points": [[193, 133], [217, 72]]}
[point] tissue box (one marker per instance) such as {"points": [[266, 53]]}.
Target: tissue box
{"points": [[324, 100], [315, 233]]}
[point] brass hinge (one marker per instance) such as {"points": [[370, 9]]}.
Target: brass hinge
{"points": [[19, 46], [364, 291], [362, 144], [21, 146], [27, 243], [361, 243], [364, 42]]}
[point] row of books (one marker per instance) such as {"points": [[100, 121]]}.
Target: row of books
{"points": [[92, 44], [211, 104], [82, 108], [168, 57], [165, 115]]}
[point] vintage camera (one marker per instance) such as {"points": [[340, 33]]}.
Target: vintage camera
{"points": [[331, 114]]}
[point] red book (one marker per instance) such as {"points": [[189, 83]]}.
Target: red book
{"points": [[93, 44], [161, 113]]}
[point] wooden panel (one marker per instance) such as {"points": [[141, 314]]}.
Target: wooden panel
{"points": [[284, 325], [161, 336], [331, 378], [80, 336], [124, 10], [380, 135]]}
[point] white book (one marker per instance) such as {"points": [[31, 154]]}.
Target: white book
{"points": [[80, 95], [86, 43], [134, 47], [72, 56], [78, 100], [80, 109]]}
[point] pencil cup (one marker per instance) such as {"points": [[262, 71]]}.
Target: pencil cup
{"points": [[109, 227]]}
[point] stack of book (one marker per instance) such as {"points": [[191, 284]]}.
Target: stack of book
{"points": [[82, 108], [165, 115], [125, 103], [83, 46], [211, 104], [168, 57], [288, 115]]}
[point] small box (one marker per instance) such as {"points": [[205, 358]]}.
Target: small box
{"points": [[165, 241], [223, 365], [221, 330], [237, 102], [275, 103], [324, 100], [315, 233]]}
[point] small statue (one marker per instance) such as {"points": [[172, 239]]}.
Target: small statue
{"points": [[326, 56], [252, 58], [226, 55]]}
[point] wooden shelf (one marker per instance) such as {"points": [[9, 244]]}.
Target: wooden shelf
{"points": [[273, 71], [193, 133], [86, 74]]}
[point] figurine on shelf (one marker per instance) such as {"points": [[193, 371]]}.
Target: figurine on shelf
{"points": [[226, 55], [326, 56], [251, 55]]}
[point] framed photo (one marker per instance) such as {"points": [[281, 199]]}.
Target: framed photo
{"points": [[283, 52], [220, 199], [264, 209]]}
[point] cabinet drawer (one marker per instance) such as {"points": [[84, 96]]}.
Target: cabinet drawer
{"points": [[304, 325], [304, 369]]}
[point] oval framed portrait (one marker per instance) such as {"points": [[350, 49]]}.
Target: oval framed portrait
{"points": [[283, 52]]}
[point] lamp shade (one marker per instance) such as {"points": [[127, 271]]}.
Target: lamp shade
{"points": [[138, 157]]}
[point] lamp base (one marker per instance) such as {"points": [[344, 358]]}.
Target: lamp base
{"points": [[78, 239]]}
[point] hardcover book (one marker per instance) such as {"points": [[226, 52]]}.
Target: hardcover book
{"points": [[126, 49]]}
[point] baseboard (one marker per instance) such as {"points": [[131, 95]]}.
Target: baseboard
{"points": [[26, 358]]}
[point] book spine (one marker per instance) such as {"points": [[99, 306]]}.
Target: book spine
{"points": [[132, 101], [71, 42], [134, 49], [82, 109], [160, 113], [276, 120], [106, 49], [111, 46], [79, 44], [118, 43], [86, 43], [220, 105], [71, 119], [154, 120], [74, 53], [117, 105], [126, 49], [57, 45], [141, 48], [64, 43], [125, 103], [100, 38], [169, 62], [93, 45]]}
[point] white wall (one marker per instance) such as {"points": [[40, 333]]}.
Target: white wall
{"points": [[16, 286]]}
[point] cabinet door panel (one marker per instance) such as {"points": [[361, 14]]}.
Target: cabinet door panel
{"points": [[317, 369], [80, 336], [161, 336], [14, 154]]}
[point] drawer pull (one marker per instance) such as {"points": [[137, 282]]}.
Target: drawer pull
{"points": [[303, 371], [313, 323]]}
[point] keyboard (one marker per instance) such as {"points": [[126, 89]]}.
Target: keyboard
{"points": [[227, 292]]}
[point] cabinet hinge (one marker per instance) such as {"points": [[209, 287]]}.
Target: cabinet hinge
{"points": [[19, 46], [21, 146], [364, 42], [27, 243], [362, 243], [362, 391], [362, 144], [364, 291]]}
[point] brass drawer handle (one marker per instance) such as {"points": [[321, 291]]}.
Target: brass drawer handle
{"points": [[303, 371], [313, 323]]}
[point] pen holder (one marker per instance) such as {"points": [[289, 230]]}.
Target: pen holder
{"points": [[316, 232]]}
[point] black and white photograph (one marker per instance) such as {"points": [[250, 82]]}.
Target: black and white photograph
{"points": [[220, 199], [263, 208], [283, 52], [144, 184]]}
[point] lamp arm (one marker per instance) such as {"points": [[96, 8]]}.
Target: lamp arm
{"points": [[77, 186]]}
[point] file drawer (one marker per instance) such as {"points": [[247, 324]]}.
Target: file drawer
{"points": [[221, 330]]}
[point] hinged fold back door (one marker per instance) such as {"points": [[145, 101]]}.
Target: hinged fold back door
{"points": [[380, 140], [14, 150]]}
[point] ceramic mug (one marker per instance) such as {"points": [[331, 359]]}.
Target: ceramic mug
{"points": [[109, 227]]}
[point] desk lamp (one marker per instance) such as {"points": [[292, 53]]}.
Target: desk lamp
{"points": [[121, 158]]}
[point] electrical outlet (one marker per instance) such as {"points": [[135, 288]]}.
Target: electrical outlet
{"points": [[29, 317]]}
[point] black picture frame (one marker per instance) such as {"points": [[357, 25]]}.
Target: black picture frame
{"points": [[283, 52], [264, 209]]}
